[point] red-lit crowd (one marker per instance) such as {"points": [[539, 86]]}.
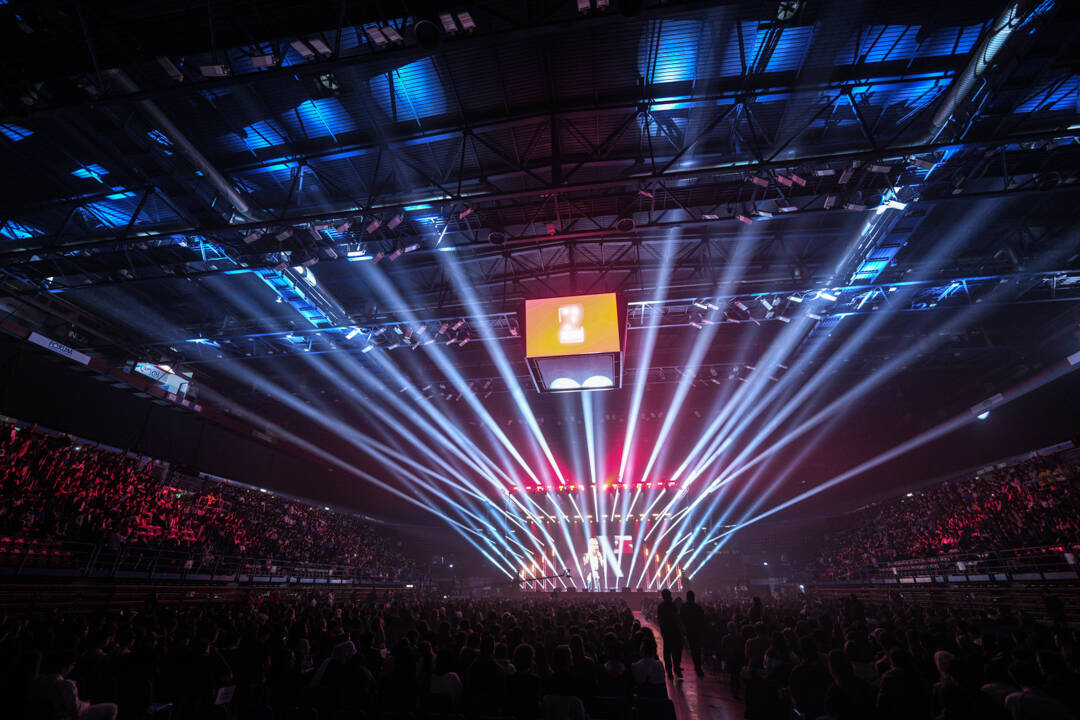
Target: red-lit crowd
{"points": [[51, 487], [1032, 504]]}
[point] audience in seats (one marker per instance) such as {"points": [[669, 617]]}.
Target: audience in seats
{"points": [[271, 655], [1033, 504], [847, 659], [54, 488]]}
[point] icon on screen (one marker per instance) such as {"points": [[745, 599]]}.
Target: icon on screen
{"points": [[571, 324]]}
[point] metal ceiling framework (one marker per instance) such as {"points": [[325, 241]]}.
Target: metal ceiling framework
{"points": [[543, 177]]}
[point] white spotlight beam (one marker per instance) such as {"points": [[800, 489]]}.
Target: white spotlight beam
{"points": [[1056, 371]]}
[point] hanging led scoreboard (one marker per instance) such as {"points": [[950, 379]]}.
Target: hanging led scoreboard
{"points": [[574, 343]]}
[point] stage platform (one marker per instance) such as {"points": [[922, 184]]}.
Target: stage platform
{"points": [[633, 598]]}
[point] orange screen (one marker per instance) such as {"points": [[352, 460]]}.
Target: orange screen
{"points": [[575, 325]]}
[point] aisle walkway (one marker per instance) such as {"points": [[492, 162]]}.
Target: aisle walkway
{"points": [[706, 698]]}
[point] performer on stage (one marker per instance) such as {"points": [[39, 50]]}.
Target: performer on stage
{"points": [[593, 562]]}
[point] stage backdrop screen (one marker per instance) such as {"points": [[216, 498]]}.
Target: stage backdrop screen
{"points": [[575, 325]]}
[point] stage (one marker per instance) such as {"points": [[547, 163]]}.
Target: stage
{"points": [[633, 598]]}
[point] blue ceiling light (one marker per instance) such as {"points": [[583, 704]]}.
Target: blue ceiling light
{"points": [[91, 171], [320, 117], [106, 213], [1051, 96], [411, 92], [18, 231], [14, 133]]}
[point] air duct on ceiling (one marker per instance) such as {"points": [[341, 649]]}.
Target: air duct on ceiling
{"points": [[166, 126]]}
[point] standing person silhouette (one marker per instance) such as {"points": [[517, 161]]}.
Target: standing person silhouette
{"points": [[671, 631], [693, 620]]}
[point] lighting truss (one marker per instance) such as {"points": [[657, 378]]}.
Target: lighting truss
{"points": [[852, 300]]}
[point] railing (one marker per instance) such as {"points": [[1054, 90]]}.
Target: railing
{"points": [[30, 557], [1058, 562]]}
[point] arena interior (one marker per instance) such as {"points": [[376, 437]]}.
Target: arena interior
{"points": [[540, 360]]}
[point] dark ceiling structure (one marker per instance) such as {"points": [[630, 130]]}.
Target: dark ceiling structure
{"points": [[241, 189]]}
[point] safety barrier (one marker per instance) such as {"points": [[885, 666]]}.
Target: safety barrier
{"points": [[36, 558]]}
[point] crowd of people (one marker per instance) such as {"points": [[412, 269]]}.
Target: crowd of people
{"points": [[355, 658], [314, 655], [52, 487], [841, 660], [1035, 503]]}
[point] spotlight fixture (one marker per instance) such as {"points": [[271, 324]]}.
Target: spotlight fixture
{"points": [[170, 69], [214, 71], [845, 176], [376, 36], [448, 23], [745, 219], [758, 180], [465, 213], [456, 326], [392, 34], [344, 227], [879, 169], [310, 48], [467, 23], [830, 201], [373, 226], [284, 235], [263, 61], [784, 180], [923, 163], [395, 221], [248, 239], [352, 333]]}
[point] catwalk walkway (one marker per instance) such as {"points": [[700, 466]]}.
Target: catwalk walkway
{"points": [[704, 698]]}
